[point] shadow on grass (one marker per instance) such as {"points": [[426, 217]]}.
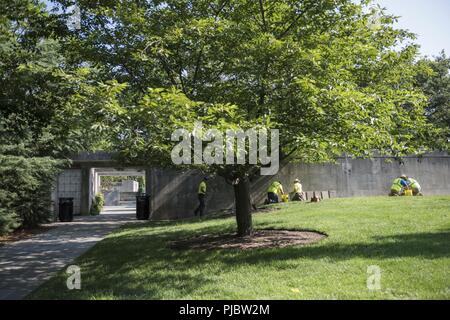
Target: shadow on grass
{"points": [[425, 245], [135, 265]]}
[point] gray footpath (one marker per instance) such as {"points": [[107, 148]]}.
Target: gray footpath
{"points": [[26, 264]]}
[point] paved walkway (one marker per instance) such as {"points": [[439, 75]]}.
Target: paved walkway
{"points": [[26, 264]]}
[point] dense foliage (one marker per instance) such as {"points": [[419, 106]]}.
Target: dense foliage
{"points": [[97, 204], [108, 182], [436, 85], [25, 190], [48, 109]]}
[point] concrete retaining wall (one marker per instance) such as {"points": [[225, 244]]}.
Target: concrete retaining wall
{"points": [[174, 194]]}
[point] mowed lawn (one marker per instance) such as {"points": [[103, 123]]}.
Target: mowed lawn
{"points": [[407, 238]]}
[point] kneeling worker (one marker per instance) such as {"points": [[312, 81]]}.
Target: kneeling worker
{"points": [[398, 185], [415, 186], [201, 197], [298, 191], [273, 191]]}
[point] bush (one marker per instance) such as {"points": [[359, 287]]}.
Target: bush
{"points": [[97, 204], [8, 221], [25, 190]]}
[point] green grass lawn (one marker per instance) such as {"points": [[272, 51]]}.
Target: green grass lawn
{"points": [[408, 238]]}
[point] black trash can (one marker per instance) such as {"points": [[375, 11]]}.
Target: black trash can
{"points": [[65, 209], [142, 206]]}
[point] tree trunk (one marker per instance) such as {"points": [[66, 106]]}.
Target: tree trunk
{"points": [[243, 207]]}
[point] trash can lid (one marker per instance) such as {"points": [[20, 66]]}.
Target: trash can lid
{"points": [[143, 195]]}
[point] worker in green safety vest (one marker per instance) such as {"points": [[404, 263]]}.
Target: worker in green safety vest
{"points": [[275, 189], [414, 185], [398, 185], [298, 191], [201, 197]]}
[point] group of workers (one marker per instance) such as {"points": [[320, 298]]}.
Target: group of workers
{"points": [[400, 186], [275, 192], [403, 184]]}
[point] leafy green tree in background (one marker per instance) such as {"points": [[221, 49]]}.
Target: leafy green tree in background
{"points": [[436, 85], [108, 182], [25, 193], [48, 109], [47, 103], [325, 73]]}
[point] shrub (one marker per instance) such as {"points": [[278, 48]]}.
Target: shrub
{"points": [[97, 204], [25, 189], [8, 221]]}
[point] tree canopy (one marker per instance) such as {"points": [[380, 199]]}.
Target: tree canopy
{"points": [[434, 80], [48, 104]]}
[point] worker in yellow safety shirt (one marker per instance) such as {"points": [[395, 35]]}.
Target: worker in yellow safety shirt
{"points": [[414, 185], [201, 197], [275, 189], [398, 185], [298, 191]]}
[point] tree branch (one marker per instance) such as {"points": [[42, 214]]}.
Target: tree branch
{"points": [[197, 66], [301, 14], [200, 54], [261, 8], [221, 8], [167, 70]]}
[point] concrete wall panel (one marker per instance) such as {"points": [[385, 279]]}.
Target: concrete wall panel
{"points": [[69, 186], [174, 193]]}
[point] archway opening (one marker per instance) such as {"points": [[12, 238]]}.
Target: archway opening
{"points": [[119, 188]]}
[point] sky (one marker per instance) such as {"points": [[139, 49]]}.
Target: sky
{"points": [[428, 19]]}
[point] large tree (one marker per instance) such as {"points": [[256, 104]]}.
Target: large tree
{"points": [[333, 76]]}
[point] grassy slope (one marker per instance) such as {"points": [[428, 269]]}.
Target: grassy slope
{"points": [[408, 238]]}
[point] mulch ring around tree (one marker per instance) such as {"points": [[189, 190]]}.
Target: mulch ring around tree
{"points": [[264, 238]]}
